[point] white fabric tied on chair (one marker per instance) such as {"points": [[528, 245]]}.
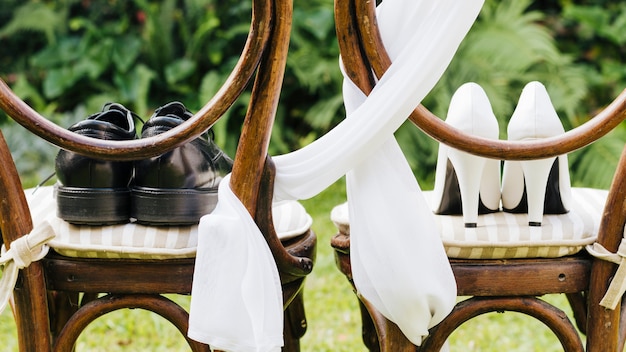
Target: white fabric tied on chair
{"points": [[401, 268], [617, 288], [237, 300], [23, 251]]}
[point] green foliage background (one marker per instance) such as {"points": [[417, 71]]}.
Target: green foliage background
{"points": [[68, 57]]}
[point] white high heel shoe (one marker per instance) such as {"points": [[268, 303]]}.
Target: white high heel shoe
{"points": [[464, 183], [542, 186]]}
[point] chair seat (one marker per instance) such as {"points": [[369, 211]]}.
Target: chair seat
{"points": [[504, 235], [134, 241]]}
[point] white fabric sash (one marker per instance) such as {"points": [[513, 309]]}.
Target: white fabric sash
{"points": [[398, 260], [236, 301]]}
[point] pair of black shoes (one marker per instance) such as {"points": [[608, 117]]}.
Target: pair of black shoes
{"points": [[175, 188]]}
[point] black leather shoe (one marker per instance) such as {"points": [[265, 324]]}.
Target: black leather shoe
{"points": [[180, 186], [91, 191]]}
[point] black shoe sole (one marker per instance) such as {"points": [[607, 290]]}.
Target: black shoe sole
{"points": [[93, 206], [166, 207]]}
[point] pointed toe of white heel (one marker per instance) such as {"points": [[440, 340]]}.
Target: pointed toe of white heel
{"points": [[535, 186], [466, 184]]}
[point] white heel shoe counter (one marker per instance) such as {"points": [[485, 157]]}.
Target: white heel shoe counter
{"points": [[534, 118], [470, 111]]}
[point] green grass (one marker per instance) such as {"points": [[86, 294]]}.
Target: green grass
{"points": [[332, 313]]}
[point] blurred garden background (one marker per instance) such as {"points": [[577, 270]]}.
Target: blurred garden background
{"points": [[66, 58]]}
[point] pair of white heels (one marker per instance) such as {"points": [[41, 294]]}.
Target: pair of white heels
{"points": [[468, 184]]}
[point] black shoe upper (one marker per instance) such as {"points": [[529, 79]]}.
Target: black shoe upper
{"points": [[114, 122], [199, 164]]}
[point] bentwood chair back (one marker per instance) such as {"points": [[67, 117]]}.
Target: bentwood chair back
{"points": [[498, 284]]}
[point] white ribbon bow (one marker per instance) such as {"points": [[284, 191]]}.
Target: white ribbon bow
{"points": [[617, 288], [24, 250]]}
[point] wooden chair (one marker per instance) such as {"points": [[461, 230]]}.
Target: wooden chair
{"points": [[58, 296], [498, 285]]}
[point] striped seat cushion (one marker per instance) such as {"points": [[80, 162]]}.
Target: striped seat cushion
{"points": [[134, 241], [503, 235]]}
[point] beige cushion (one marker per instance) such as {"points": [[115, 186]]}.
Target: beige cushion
{"points": [[504, 235], [137, 241]]}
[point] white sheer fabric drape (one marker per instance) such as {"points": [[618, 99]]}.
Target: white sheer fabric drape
{"points": [[398, 260]]}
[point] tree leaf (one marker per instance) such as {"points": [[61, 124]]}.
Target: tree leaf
{"points": [[179, 70], [35, 16], [125, 52]]}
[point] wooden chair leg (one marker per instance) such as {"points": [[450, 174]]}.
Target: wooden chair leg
{"points": [[578, 303], [390, 338], [295, 324], [368, 330], [31, 311], [61, 306], [622, 326], [379, 334]]}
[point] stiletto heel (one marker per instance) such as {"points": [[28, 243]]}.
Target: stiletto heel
{"points": [[542, 186], [469, 170], [467, 184], [536, 174]]}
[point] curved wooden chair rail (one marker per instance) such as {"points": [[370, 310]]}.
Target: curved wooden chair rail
{"points": [[40, 319], [365, 60]]}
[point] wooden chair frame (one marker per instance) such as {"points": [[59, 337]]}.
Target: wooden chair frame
{"points": [[49, 314], [498, 285]]}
